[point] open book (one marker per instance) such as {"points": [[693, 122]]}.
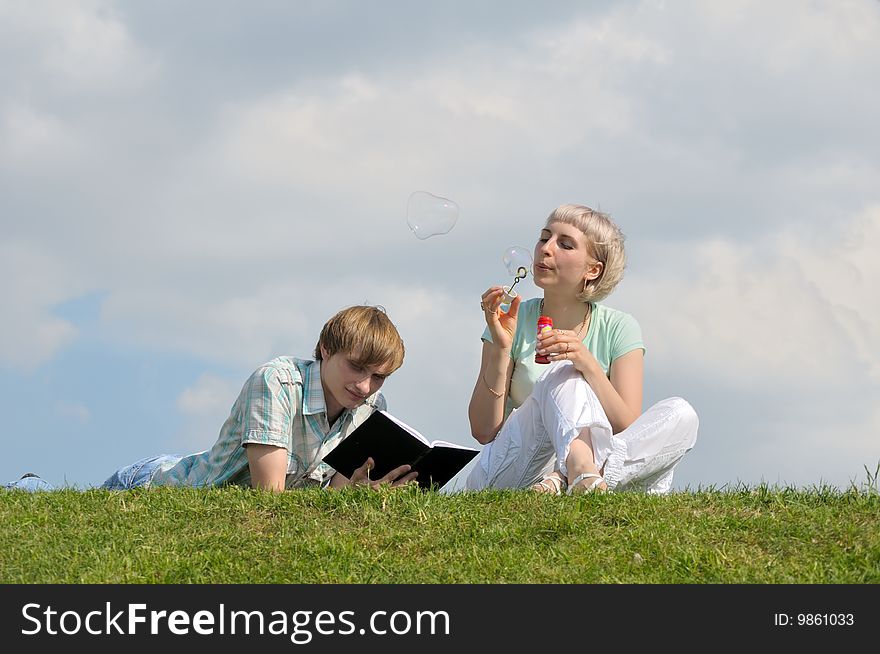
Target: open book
{"points": [[392, 443]]}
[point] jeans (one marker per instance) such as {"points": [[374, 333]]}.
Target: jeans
{"points": [[135, 475], [139, 473], [30, 484]]}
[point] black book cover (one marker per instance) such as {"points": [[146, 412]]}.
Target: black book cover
{"points": [[391, 445]]}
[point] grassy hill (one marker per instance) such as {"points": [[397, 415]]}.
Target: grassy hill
{"points": [[233, 535]]}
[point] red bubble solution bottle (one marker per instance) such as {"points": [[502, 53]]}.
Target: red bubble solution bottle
{"points": [[545, 324]]}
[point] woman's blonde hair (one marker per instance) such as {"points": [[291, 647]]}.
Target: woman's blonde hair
{"points": [[365, 332], [606, 246]]}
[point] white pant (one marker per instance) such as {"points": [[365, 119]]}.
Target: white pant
{"points": [[536, 438]]}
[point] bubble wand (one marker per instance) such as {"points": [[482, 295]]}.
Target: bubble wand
{"points": [[518, 261]]}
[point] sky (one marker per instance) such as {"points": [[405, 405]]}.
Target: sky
{"points": [[188, 190]]}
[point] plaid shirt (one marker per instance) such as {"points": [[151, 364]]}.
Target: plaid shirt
{"points": [[282, 404]]}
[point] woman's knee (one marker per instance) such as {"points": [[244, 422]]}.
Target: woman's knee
{"points": [[563, 382], [561, 373], [687, 419]]}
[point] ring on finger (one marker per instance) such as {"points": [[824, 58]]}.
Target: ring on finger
{"points": [[567, 344]]}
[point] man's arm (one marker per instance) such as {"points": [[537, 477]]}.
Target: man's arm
{"points": [[268, 466]]}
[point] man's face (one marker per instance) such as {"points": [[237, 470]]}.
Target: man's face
{"points": [[346, 383]]}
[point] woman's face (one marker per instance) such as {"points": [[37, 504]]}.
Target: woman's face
{"points": [[563, 259]]}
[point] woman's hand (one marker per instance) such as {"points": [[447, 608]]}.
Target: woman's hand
{"points": [[565, 345], [502, 325], [400, 476]]}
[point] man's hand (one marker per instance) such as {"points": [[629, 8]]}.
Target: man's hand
{"points": [[400, 476]]}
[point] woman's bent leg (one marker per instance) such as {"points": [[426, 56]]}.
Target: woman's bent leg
{"points": [[520, 455], [537, 437], [652, 446], [574, 420]]}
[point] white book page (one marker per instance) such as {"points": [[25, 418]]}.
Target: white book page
{"points": [[407, 428], [415, 433]]}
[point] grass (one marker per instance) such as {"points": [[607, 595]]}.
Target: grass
{"points": [[235, 535]]}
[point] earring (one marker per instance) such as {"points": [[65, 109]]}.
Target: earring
{"points": [[584, 289]]}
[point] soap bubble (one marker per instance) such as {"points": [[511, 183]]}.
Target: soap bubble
{"points": [[518, 261], [429, 215]]}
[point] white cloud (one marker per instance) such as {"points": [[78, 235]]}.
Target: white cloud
{"points": [[361, 134], [29, 136], [843, 266], [230, 230], [75, 46], [32, 338], [205, 406], [815, 440], [352, 136], [776, 341], [792, 311], [811, 36], [209, 395], [74, 411], [232, 327], [31, 283]]}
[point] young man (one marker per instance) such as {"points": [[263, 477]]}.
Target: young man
{"points": [[288, 415]]}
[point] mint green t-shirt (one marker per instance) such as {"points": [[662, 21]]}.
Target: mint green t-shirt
{"points": [[612, 334]]}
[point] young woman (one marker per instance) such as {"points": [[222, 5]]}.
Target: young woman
{"points": [[576, 423]]}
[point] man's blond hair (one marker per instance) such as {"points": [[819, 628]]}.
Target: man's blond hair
{"points": [[366, 333]]}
